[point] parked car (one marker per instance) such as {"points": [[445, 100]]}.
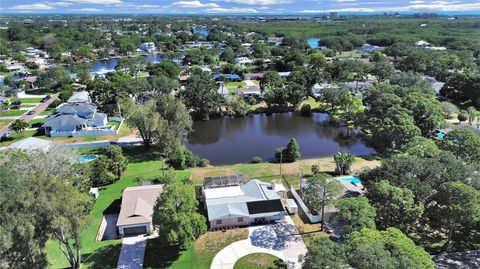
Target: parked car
{"points": [[31, 112], [46, 98]]}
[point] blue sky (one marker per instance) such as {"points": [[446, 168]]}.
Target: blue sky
{"points": [[235, 6]]}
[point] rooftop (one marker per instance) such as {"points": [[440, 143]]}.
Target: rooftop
{"points": [[137, 204]]}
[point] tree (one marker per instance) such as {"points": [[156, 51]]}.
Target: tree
{"points": [[165, 68], [19, 126], [335, 96], [422, 147], [201, 94], [271, 79], [357, 214], [472, 114], [175, 215], [464, 143], [455, 210], [426, 111], [391, 248], [34, 190], [228, 55], [320, 192], [317, 60], [117, 163], [324, 253], [163, 120], [383, 70], [343, 162], [100, 175], [146, 120], [290, 153], [395, 206], [54, 79]]}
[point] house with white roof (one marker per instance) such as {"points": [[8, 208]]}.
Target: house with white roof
{"points": [[240, 203], [148, 47]]}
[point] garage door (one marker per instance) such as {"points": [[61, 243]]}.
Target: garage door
{"points": [[135, 230]]}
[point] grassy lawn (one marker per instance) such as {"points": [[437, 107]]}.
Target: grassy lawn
{"points": [[198, 256], [28, 100], [47, 111], [115, 124], [36, 122], [28, 105], [12, 112], [312, 102], [259, 261], [104, 254], [233, 86], [5, 122]]}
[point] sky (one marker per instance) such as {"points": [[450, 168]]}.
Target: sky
{"points": [[246, 7]]}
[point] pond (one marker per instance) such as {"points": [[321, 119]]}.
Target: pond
{"points": [[201, 31], [238, 140], [313, 42], [110, 64]]}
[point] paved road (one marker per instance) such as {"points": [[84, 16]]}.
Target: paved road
{"points": [[262, 239], [38, 109]]}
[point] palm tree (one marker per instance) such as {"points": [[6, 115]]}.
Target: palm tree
{"points": [[343, 161], [18, 126]]}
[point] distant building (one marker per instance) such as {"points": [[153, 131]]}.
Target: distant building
{"points": [[422, 44], [236, 203], [333, 15], [244, 61], [367, 48], [148, 47], [275, 40]]}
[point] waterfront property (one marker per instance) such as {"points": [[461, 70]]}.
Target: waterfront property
{"points": [[136, 210], [78, 117], [232, 202]]}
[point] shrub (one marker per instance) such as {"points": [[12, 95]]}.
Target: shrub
{"points": [[65, 94], [315, 169], [203, 163], [306, 110], [257, 159], [55, 103], [182, 158], [290, 153], [100, 175]]}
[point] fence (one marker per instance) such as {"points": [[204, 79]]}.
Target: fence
{"points": [[312, 218], [86, 145]]}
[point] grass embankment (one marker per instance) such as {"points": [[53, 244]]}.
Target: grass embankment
{"points": [[259, 261], [28, 100], [12, 112]]}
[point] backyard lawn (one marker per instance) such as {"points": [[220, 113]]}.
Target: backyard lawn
{"points": [[259, 261], [47, 111], [36, 122], [233, 86]]}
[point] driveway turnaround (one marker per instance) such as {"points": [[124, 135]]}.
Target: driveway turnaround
{"points": [[280, 240]]}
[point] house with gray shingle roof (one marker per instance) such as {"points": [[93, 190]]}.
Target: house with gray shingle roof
{"points": [[243, 204], [74, 118]]}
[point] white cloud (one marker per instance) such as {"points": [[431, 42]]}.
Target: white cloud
{"points": [[263, 7], [345, 1], [230, 10], [439, 6], [60, 4], [194, 4], [101, 2], [417, 2], [89, 9], [32, 7], [259, 2]]}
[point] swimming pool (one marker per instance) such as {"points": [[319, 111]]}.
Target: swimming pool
{"points": [[351, 179], [87, 158]]}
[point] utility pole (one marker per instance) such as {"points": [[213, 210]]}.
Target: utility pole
{"points": [[281, 159]]}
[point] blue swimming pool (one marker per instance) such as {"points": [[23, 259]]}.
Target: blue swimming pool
{"points": [[440, 135], [87, 158], [354, 180]]}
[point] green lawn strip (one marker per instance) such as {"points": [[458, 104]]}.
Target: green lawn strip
{"points": [[37, 122], [47, 111], [115, 124], [5, 122], [12, 112], [104, 254], [259, 261], [28, 105], [28, 100], [233, 86]]}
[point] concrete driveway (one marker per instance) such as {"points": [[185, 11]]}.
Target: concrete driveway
{"points": [[280, 240]]}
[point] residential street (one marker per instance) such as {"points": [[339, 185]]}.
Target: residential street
{"points": [[38, 109]]}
